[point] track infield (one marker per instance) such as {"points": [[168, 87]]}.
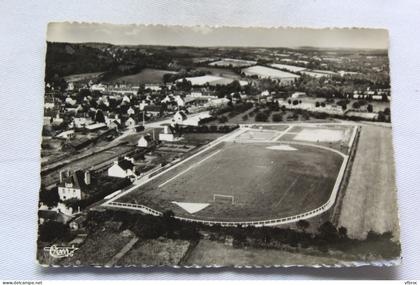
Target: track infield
{"points": [[267, 180]]}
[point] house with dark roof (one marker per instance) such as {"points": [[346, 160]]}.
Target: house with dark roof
{"points": [[74, 185], [123, 168]]}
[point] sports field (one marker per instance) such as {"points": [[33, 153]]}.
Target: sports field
{"points": [[236, 181]]}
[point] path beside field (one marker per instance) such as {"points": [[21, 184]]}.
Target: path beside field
{"points": [[122, 252], [370, 202]]}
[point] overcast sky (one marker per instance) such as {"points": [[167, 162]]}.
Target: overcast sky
{"points": [[217, 36]]}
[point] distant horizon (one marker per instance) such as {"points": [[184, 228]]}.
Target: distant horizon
{"points": [[191, 46], [213, 37]]}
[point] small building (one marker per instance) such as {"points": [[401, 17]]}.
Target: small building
{"points": [[168, 135], [97, 126], [122, 168], [145, 141], [81, 122], [298, 95], [66, 134], [153, 87], [77, 223], [130, 111], [265, 93], [179, 117], [57, 120], [130, 123]]}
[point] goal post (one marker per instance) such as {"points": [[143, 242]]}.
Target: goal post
{"points": [[223, 197]]}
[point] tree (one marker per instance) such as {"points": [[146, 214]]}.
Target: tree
{"points": [[356, 105], [370, 108], [277, 118], [316, 104], [99, 117], [261, 117], [342, 231], [184, 85], [51, 231], [322, 104], [83, 93], [49, 197], [244, 117], [302, 225], [328, 232], [223, 119]]}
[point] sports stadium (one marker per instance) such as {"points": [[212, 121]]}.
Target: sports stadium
{"points": [[258, 175]]}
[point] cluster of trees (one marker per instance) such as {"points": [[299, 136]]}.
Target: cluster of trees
{"points": [[51, 231], [232, 109], [145, 226], [49, 197], [223, 90], [339, 87], [209, 129], [263, 115]]}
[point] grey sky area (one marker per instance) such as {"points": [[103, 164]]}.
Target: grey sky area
{"points": [[217, 36]]}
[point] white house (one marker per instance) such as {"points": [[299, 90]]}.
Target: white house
{"points": [[98, 87], [168, 136], [142, 105], [82, 122], [179, 101], [298, 95], [96, 126], [57, 120], [131, 111], [66, 134], [265, 93], [130, 123], [70, 101], [74, 186], [112, 118], [144, 141], [179, 117], [122, 168], [153, 87], [126, 99]]}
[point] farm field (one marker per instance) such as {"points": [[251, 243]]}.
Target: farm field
{"points": [[216, 253], [98, 248], [370, 202], [82, 76], [266, 180], [155, 252], [147, 75], [222, 72], [233, 62]]}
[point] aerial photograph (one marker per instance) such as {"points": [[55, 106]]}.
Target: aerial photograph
{"points": [[216, 146]]}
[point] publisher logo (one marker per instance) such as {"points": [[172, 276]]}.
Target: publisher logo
{"points": [[60, 251]]}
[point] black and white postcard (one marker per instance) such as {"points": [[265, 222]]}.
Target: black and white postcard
{"points": [[216, 146]]}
